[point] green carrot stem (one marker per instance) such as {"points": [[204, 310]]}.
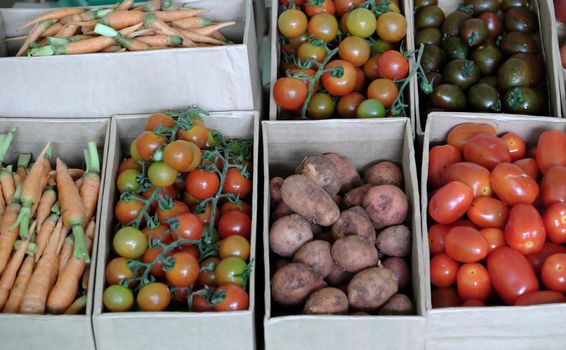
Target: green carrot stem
{"points": [[42, 51], [17, 194], [31, 248], [175, 40], [57, 41], [79, 250], [93, 164], [5, 141], [23, 160], [56, 209], [102, 29], [23, 220]]}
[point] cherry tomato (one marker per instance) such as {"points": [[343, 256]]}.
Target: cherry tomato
{"points": [[471, 174], [117, 270], [236, 246], [553, 185], [486, 150], [179, 155], [309, 72], [371, 108], [516, 145], [465, 244], [361, 22], [177, 209], [550, 150], [436, 235], [165, 193], [200, 304], [345, 6], [323, 26], [370, 68], [207, 274], [450, 202], [231, 270], [553, 273], [158, 120], [327, 6], [161, 175], [360, 80], [129, 242], [127, 181], [461, 133], [311, 51], [343, 85], [147, 143], [197, 134], [511, 274], [236, 184], [190, 249], [473, 303], [235, 298], [529, 165], [555, 222], [537, 259], [392, 65], [439, 159], [354, 50], [189, 226], [158, 234], [289, 93], [154, 296], [134, 151], [202, 184], [185, 271], [127, 164], [292, 23], [205, 216], [487, 212], [348, 104], [473, 282], [494, 237], [445, 297], [320, 106], [525, 229], [126, 212], [391, 27], [150, 255], [443, 270], [117, 298], [513, 185], [244, 207], [235, 223], [383, 90], [539, 297]]}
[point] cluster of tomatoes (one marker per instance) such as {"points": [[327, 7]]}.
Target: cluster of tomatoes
{"points": [[184, 223], [341, 59], [499, 218]]}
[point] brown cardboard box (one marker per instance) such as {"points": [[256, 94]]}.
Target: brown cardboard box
{"points": [[285, 144], [501, 327], [160, 330]]}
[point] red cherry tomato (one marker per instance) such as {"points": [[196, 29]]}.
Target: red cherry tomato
{"points": [[177, 209], [473, 303], [243, 207], [450, 202], [511, 274], [537, 259], [513, 185], [553, 273], [202, 184], [343, 85], [445, 297], [465, 244], [472, 281], [553, 185], [471, 174], [237, 184], [555, 222], [327, 6], [289, 93], [235, 298], [525, 229], [189, 226], [439, 159], [488, 212], [529, 165], [235, 223], [550, 150], [158, 120], [541, 297], [392, 65], [494, 237], [436, 234], [184, 272], [460, 134], [486, 150], [515, 144], [443, 270]]}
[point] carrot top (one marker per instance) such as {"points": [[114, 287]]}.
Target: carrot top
{"points": [[91, 158], [5, 141]]}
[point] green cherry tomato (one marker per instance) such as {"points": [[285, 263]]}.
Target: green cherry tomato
{"points": [[230, 270], [127, 181], [129, 242], [371, 108], [320, 106], [117, 298], [361, 22], [161, 175]]}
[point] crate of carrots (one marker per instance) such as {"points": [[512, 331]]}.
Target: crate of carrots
{"points": [[50, 214], [178, 43]]}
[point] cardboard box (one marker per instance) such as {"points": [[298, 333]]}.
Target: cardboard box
{"points": [[561, 33], [500, 327], [68, 138], [405, 5], [547, 30], [364, 142], [158, 330], [222, 77]]}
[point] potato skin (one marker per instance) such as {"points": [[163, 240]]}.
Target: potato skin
{"points": [[355, 197], [399, 304], [395, 241], [280, 211], [275, 190], [347, 173], [401, 270], [309, 200], [338, 276], [384, 173], [354, 253], [354, 221], [293, 283], [371, 288], [321, 171], [386, 205], [327, 301], [316, 255], [288, 234]]}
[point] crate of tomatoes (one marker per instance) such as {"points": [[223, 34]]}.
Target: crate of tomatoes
{"points": [[178, 251], [494, 213], [341, 59], [486, 56]]}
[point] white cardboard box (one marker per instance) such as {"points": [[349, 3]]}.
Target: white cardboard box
{"points": [[161, 330], [222, 77], [285, 144], [501, 327]]}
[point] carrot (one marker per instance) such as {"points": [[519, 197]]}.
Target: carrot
{"points": [[91, 181], [8, 236], [151, 21], [20, 285], [152, 5], [141, 32], [67, 31], [219, 36], [113, 48], [122, 19], [162, 40], [85, 278], [200, 38], [86, 16], [74, 172], [35, 34], [53, 15], [48, 198], [2, 206], [54, 29], [77, 306], [42, 183], [62, 294], [43, 234], [191, 22], [72, 209], [208, 30], [169, 5], [5, 141], [43, 276], [169, 16], [124, 5], [7, 182], [79, 183], [130, 44], [65, 253], [23, 163]]}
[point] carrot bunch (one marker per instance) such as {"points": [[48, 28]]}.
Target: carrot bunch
{"points": [[157, 24], [46, 231]]}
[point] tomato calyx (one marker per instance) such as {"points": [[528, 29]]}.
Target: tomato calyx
{"points": [[378, 8], [211, 297]]}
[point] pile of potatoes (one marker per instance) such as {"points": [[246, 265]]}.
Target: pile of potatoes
{"points": [[339, 244]]}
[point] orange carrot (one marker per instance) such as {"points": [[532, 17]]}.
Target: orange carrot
{"points": [[23, 163], [17, 179], [191, 22], [122, 19], [130, 44], [151, 21], [124, 5], [85, 16], [44, 180], [77, 306], [142, 32], [34, 35], [53, 15], [91, 181], [43, 234], [162, 40], [48, 198], [2, 206], [113, 48], [85, 278], [74, 172], [8, 237], [65, 253], [62, 294], [152, 5], [200, 38], [54, 29], [219, 36], [79, 183], [20, 285], [7, 182], [208, 30], [169, 16], [67, 31]]}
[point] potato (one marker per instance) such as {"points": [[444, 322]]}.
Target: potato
{"points": [[278, 263], [399, 304], [337, 199], [401, 270], [288, 234], [321, 171], [327, 301], [354, 253], [280, 211], [395, 241], [384, 173], [371, 288], [347, 173], [316, 255], [275, 190], [355, 197], [293, 283], [338, 276], [354, 221], [309, 200], [386, 205]]}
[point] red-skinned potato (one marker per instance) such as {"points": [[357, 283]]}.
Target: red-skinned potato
{"points": [[327, 301], [288, 234], [356, 196], [293, 283], [401, 270], [354, 221], [386, 205], [347, 173], [316, 255], [395, 241], [275, 190], [321, 171], [399, 304], [384, 173], [280, 211], [371, 288], [354, 253], [338, 276]]}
